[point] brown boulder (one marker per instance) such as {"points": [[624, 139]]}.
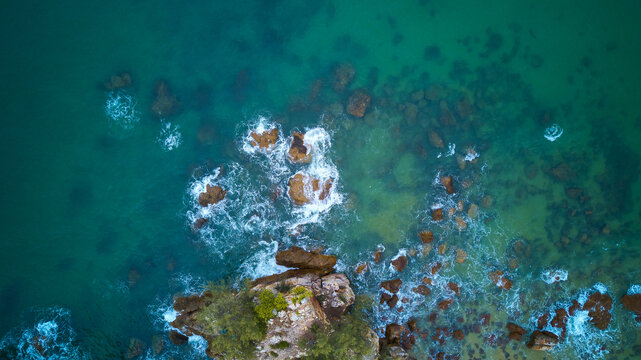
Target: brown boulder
{"points": [[377, 255], [200, 222], [445, 304], [560, 320], [633, 303], [516, 332], [447, 182], [461, 255], [361, 268], [542, 340], [400, 262], [598, 306], [211, 196], [454, 287], [300, 182], [392, 285], [265, 139], [298, 151], [358, 103], [426, 236], [393, 334], [392, 301], [165, 104], [296, 257], [177, 338]]}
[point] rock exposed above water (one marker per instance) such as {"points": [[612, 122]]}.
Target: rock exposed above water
{"points": [[392, 285], [400, 262], [516, 332], [266, 139], [212, 195], [500, 280], [302, 188], [165, 104], [296, 257], [299, 152], [446, 181], [598, 306]]}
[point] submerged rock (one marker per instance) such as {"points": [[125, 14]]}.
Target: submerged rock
{"points": [[358, 103], [344, 74], [299, 152], [165, 104], [212, 195], [435, 139], [437, 214], [392, 285], [177, 338], [296, 257], [461, 256], [542, 340], [266, 139], [119, 81], [500, 280]]}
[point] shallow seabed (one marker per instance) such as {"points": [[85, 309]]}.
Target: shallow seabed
{"points": [[99, 195]]}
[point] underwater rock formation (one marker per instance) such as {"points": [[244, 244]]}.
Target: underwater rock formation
{"points": [[165, 104], [120, 81], [344, 74], [358, 103]]}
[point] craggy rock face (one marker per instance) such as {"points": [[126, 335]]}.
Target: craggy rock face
{"points": [[299, 152], [344, 73], [302, 188], [598, 306], [296, 257], [211, 196], [165, 104], [266, 139], [633, 303], [446, 181], [337, 295], [400, 262], [358, 103], [542, 340]]}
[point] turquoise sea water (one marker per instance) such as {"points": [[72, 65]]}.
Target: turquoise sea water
{"points": [[96, 211]]}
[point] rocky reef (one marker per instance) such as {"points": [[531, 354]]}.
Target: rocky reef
{"points": [[305, 304]]}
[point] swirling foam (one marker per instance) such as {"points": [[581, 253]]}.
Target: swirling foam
{"points": [[120, 107], [170, 136]]}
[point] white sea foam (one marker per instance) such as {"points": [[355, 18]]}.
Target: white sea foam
{"points": [[451, 150], [634, 289], [471, 154], [553, 132], [263, 262], [170, 137], [552, 276], [52, 332], [120, 107], [323, 169]]}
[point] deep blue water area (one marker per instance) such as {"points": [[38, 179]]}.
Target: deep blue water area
{"points": [[534, 103]]}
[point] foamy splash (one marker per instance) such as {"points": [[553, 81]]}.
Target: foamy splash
{"points": [[170, 137], [553, 276], [120, 107], [52, 337], [553, 132]]}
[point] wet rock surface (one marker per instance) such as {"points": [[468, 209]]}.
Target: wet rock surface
{"points": [[299, 152], [296, 257], [212, 195], [266, 139], [542, 340], [633, 303], [598, 306]]}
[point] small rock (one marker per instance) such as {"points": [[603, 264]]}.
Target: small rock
{"points": [[135, 349], [445, 304], [437, 214], [165, 104], [120, 81], [157, 344], [436, 268], [393, 333], [393, 301], [344, 74], [421, 289], [542, 340], [633, 303], [435, 139], [200, 222], [488, 200], [360, 269], [446, 118], [460, 223], [212, 195], [442, 248], [598, 306], [473, 211], [377, 255], [392, 285], [461, 255], [298, 150], [458, 335], [454, 287], [500, 280], [447, 182]]}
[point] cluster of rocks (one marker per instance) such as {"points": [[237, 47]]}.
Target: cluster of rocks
{"points": [[331, 296]]}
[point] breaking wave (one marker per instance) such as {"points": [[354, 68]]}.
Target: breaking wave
{"points": [[120, 107], [170, 136]]}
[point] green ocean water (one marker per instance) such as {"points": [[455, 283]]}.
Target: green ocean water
{"points": [[95, 217]]}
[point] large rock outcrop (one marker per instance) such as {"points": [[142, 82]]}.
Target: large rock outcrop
{"points": [[303, 189], [314, 295]]}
